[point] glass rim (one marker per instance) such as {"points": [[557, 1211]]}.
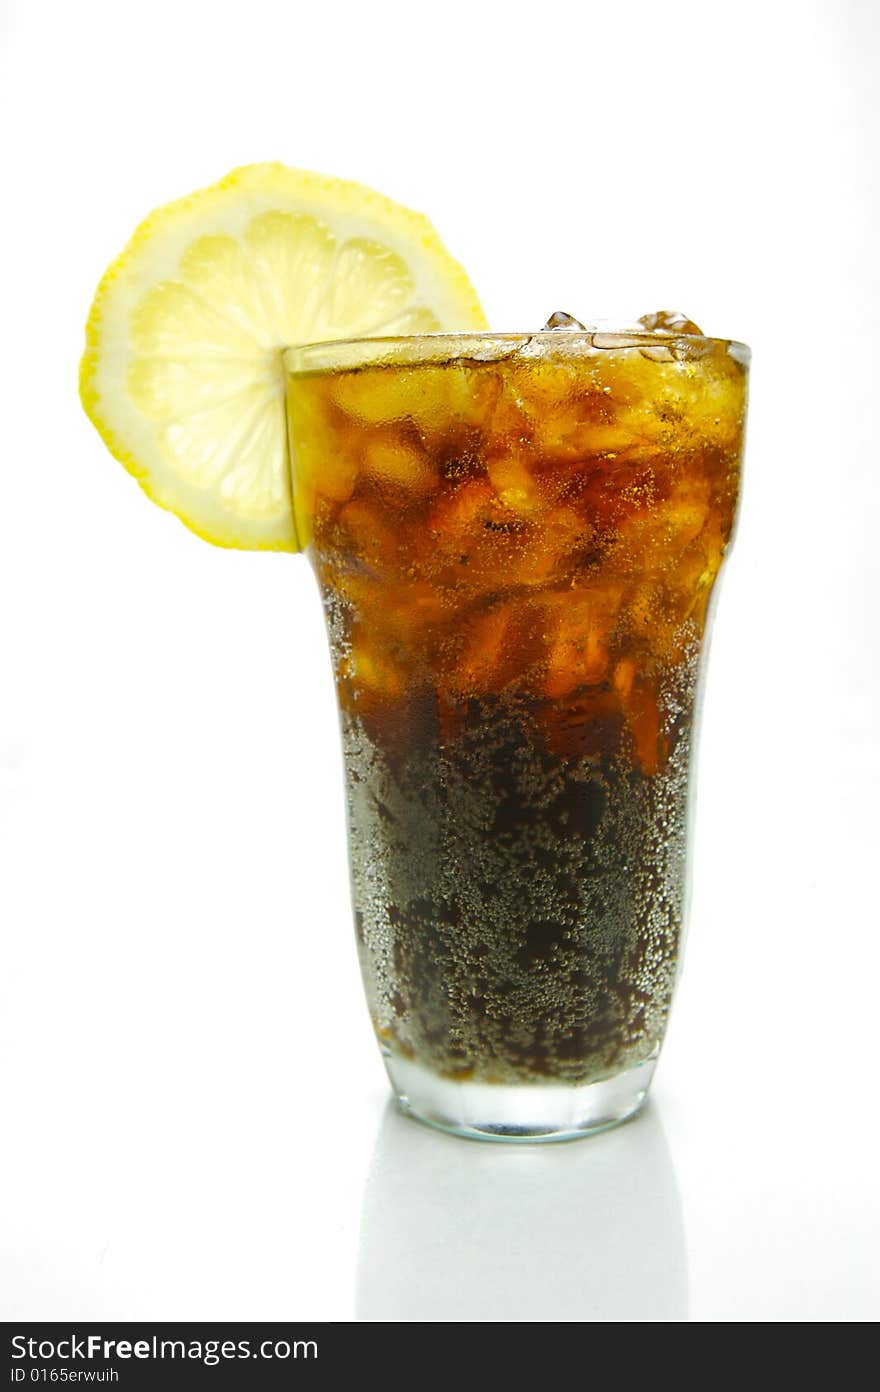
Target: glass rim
{"points": [[346, 354]]}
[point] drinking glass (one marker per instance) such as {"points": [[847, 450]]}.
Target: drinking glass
{"points": [[517, 538]]}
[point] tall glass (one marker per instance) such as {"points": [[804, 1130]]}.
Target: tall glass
{"points": [[516, 538]]}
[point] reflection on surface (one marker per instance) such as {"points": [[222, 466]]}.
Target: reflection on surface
{"points": [[468, 1230]]}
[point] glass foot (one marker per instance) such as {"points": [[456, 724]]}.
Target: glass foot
{"points": [[508, 1112]]}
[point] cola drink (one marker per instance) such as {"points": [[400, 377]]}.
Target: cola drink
{"points": [[517, 539]]}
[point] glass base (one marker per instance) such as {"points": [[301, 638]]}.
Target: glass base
{"points": [[508, 1112]]}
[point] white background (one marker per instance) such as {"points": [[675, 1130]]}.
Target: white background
{"points": [[196, 1120]]}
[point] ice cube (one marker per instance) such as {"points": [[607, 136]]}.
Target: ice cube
{"points": [[677, 326], [669, 321], [561, 320]]}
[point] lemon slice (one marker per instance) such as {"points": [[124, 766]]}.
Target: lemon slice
{"points": [[182, 373]]}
